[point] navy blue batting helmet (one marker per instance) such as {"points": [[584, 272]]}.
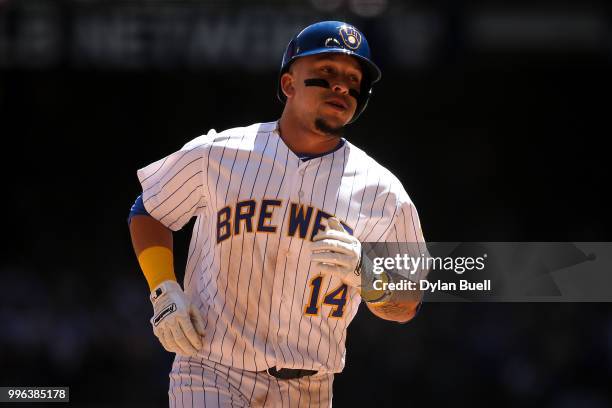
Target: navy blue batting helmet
{"points": [[333, 37]]}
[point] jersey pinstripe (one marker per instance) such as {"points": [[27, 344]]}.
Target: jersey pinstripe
{"points": [[257, 207]]}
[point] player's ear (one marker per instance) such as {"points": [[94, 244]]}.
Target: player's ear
{"points": [[287, 84]]}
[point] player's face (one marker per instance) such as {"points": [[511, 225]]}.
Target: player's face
{"points": [[327, 109]]}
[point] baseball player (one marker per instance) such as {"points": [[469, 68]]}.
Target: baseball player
{"points": [[275, 268]]}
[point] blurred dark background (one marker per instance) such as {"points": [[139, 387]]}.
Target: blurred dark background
{"points": [[494, 115]]}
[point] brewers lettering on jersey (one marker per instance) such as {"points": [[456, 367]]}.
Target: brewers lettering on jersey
{"points": [[275, 267]]}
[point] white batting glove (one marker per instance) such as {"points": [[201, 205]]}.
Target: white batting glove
{"points": [[337, 252], [177, 323]]}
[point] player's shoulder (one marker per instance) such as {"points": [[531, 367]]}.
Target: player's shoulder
{"points": [[242, 134], [369, 165], [387, 182], [237, 138]]}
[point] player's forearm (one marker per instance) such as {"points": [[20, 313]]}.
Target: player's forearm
{"points": [[396, 305], [152, 243]]}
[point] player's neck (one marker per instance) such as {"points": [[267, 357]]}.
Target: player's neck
{"points": [[302, 140]]}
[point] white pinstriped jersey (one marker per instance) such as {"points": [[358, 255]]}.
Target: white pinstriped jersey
{"points": [[257, 207]]}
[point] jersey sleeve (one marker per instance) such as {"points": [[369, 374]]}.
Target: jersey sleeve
{"points": [[173, 187], [406, 227], [406, 235]]}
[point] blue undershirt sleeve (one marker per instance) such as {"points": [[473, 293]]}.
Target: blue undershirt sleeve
{"points": [[138, 208]]}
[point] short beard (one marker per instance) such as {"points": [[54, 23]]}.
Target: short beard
{"points": [[321, 125]]}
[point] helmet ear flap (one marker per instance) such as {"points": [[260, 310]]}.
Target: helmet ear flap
{"points": [[362, 102], [365, 92]]}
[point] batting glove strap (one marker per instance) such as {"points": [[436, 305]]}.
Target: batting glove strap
{"points": [[163, 289]]}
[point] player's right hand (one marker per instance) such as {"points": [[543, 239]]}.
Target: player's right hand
{"points": [[176, 322]]}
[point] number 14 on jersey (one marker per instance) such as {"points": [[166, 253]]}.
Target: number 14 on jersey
{"points": [[336, 298]]}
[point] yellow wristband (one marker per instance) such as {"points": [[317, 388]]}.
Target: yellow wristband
{"points": [[157, 264], [369, 294]]}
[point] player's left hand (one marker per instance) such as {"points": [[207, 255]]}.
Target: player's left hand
{"points": [[337, 252]]}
